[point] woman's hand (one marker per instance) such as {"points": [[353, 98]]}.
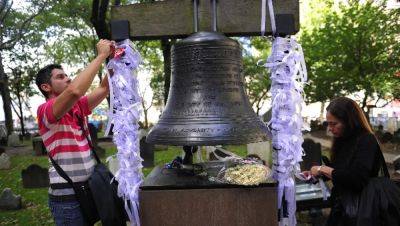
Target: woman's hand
{"points": [[317, 171]]}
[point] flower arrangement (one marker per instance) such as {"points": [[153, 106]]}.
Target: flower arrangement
{"points": [[249, 171], [247, 174]]}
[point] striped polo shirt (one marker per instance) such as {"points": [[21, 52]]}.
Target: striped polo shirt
{"points": [[66, 143]]}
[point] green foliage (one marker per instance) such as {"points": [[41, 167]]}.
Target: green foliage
{"points": [[153, 62], [256, 77], [356, 48], [35, 209], [73, 40]]}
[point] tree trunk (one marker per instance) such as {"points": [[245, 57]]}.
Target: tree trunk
{"points": [[98, 18], [5, 94], [166, 49], [21, 113], [145, 112], [321, 112], [364, 105]]}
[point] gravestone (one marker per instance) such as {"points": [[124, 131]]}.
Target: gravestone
{"points": [[38, 146], [217, 153], [5, 162], [261, 149], [101, 152], [35, 177], [312, 156], [13, 140], [9, 201], [146, 152], [113, 164], [93, 133]]}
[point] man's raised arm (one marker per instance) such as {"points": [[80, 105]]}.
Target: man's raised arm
{"points": [[78, 87]]}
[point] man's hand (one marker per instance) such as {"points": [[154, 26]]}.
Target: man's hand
{"points": [[104, 48]]}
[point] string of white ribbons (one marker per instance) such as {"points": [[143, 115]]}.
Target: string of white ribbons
{"points": [[264, 15], [124, 114], [288, 76]]}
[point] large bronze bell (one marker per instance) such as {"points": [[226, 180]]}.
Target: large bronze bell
{"points": [[207, 104]]}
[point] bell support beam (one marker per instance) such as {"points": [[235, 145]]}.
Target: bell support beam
{"points": [[174, 18]]}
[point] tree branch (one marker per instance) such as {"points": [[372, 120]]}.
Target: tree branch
{"points": [[3, 6], [10, 43], [15, 110], [98, 18]]}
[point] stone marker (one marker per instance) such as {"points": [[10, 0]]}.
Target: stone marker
{"points": [[113, 164], [312, 156], [9, 201], [13, 140], [35, 177], [5, 162], [38, 146], [146, 152], [101, 152], [262, 150]]}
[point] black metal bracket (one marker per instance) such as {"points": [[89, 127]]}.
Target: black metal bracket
{"points": [[119, 30], [285, 24]]}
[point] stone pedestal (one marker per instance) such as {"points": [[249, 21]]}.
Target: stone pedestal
{"points": [[171, 197]]}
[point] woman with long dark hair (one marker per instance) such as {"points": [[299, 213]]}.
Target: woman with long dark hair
{"points": [[355, 158]]}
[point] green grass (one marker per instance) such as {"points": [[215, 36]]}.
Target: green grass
{"points": [[35, 209]]}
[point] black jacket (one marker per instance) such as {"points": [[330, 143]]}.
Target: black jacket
{"points": [[356, 161]]}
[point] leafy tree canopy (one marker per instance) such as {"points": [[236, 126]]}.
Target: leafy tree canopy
{"points": [[355, 48]]}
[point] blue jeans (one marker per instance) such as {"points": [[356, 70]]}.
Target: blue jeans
{"points": [[66, 213]]}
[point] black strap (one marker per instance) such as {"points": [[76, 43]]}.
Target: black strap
{"points": [[67, 185]]}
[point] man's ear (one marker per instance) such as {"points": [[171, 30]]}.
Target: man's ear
{"points": [[45, 87]]}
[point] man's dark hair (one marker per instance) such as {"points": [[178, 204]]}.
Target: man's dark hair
{"points": [[44, 75]]}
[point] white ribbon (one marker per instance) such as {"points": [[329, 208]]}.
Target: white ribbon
{"points": [[288, 75], [263, 15], [271, 16], [124, 113]]}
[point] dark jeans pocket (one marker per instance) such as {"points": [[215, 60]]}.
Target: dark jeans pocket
{"points": [[66, 213]]}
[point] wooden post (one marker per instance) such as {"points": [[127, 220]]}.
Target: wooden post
{"points": [[174, 18]]}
